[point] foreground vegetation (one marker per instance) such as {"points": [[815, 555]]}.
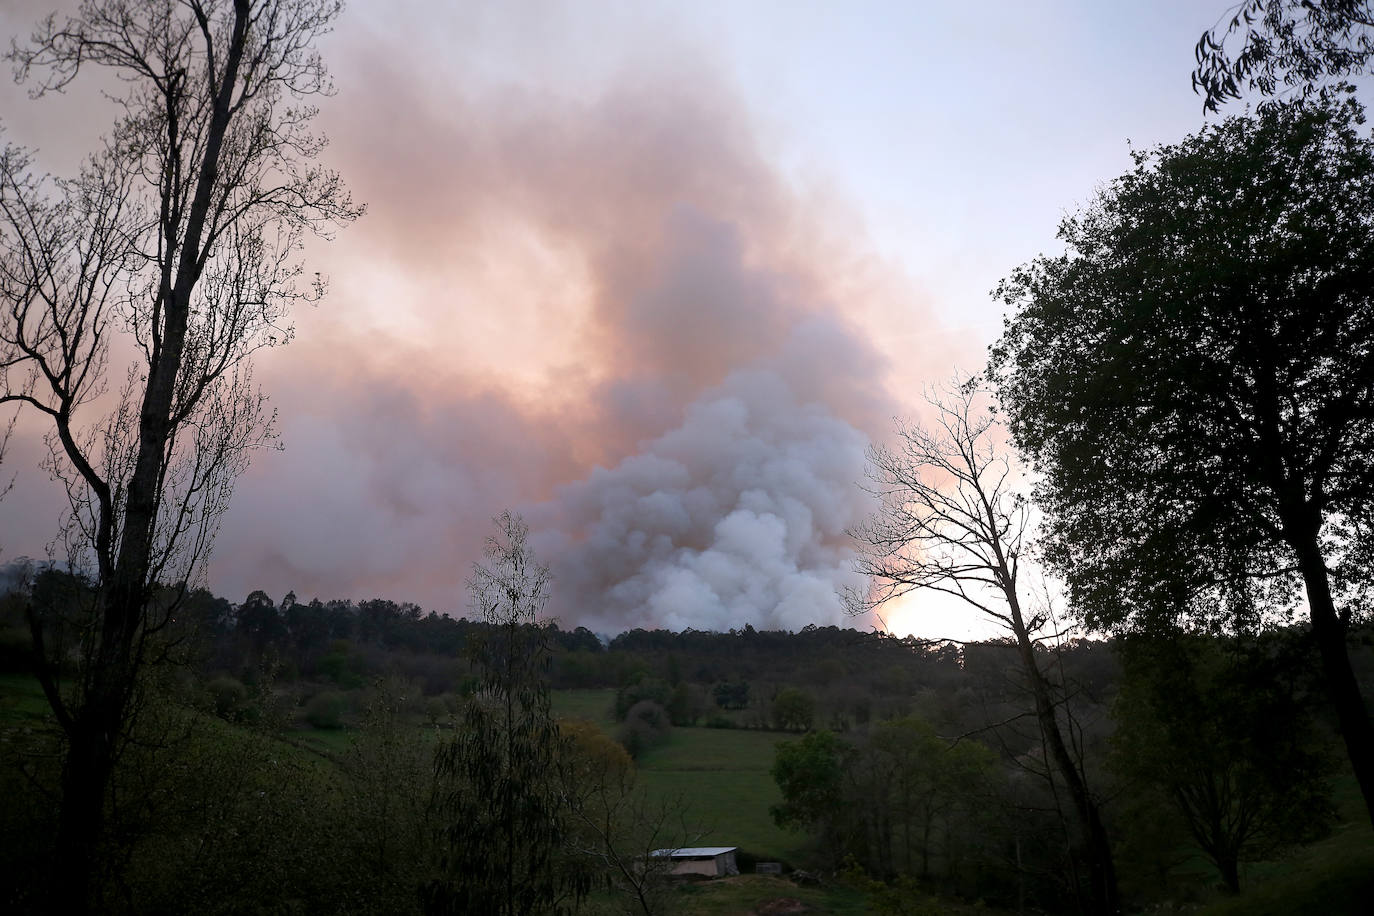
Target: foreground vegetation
{"points": [[1333, 872]]}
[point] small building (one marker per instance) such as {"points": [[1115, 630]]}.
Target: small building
{"points": [[711, 861]]}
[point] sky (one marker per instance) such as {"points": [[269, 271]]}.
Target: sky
{"points": [[653, 275]]}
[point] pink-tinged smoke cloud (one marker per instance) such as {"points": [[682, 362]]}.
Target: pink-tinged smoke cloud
{"points": [[610, 312]]}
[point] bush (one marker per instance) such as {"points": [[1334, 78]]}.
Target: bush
{"points": [[342, 665], [436, 710], [228, 696], [646, 725], [687, 704], [326, 710], [793, 710], [648, 689]]}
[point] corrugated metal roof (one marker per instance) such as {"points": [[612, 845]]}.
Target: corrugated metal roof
{"points": [[692, 852]]}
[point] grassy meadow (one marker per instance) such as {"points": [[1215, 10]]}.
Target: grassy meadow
{"points": [[722, 778], [719, 774]]}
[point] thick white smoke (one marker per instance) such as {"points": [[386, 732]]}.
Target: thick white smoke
{"points": [[735, 517]]}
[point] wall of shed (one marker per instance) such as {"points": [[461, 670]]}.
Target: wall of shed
{"points": [[715, 867]]}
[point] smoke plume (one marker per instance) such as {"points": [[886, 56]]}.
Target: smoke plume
{"points": [[608, 309]]}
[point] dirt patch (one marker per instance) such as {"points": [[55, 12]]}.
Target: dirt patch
{"points": [[782, 906]]}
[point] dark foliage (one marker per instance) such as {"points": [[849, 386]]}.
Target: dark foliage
{"points": [[1284, 44], [1195, 381], [500, 816], [1224, 729]]}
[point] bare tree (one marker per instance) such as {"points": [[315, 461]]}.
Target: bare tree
{"points": [[178, 242], [953, 521]]}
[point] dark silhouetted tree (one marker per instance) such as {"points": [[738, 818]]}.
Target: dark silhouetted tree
{"points": [[180, 238], [1223, 729], [1292, 44], [1195, 380]]}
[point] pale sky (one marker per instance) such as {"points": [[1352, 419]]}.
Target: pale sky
{"points": [[652, 273]]}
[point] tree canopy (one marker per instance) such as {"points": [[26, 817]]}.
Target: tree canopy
{"points": [[1193, 379], [1293, 44]]}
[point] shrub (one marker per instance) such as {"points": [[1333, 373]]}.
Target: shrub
{"points": [[342, 665], [228, 696], [325, 710], [687, 704], [646, 725], [647, 689], [436, 710]]}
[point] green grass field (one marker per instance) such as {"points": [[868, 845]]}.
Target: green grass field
{"points": [[22, 703], [720, 774], [594, 705], [722, 777]]}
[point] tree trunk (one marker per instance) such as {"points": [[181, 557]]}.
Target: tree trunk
{"points": [[93, 736], [1101, 871], [1230, 872], [85, 776], [1341, 686]]}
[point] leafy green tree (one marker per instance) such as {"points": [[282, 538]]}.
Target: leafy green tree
{"points": [[500, 817], [1221, 727], [646, 725], [810, 773], [731, 694], [687, 704], [228, 697], [900, 800], [179, 238], [926, 789], [646, 688], [1194, 378], [260, 622], [794, 709]]}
